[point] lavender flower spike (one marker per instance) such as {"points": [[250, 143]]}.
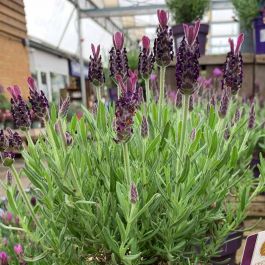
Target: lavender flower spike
{"points": [[224, 104], [3, 258], [14, 140], [118, 60], [187, 67], [3, 141], [126, 107], [252, 117], [146, 59], [38, 100], [144, 127], [95, 68], [163, 45], [64, 107], [134, 194], [233, 67], [19, 109]]}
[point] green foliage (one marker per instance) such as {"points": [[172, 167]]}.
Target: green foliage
{"points": [[83, 195], [187, 11], [133, 59], [247, 10]]}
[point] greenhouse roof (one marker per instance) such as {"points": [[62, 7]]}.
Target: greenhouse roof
{"points": [[55, 22]]}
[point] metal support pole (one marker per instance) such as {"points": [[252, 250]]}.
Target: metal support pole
{"points": [[81, 60]]}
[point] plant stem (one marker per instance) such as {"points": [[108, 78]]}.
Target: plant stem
{"points": [[161, 94], [143, 158], [126, 163], [184, 126], [25, 198], [147, 91], [98, 93]]}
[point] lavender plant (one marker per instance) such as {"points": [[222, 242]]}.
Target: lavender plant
{"points": [[137, 185]]}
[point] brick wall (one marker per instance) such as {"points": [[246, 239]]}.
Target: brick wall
{"points": [[14, 59]]}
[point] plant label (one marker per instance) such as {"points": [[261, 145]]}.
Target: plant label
{"points": [[254, 252]]}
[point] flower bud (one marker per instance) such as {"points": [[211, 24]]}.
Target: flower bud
{"points": [[224, 105], [8, 158], [3, 258], [134, 193], [18, 249], [144, 127], [252, 117], [33, 201], [64, 107]]}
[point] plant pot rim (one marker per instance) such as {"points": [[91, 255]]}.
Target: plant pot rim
{"points": [[178, 28]]}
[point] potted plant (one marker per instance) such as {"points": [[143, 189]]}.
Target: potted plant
{"points": [[140, 182], [187, 12], [252, 23]]}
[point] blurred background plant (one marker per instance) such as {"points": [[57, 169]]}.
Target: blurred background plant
{"points": [[187, 11]]}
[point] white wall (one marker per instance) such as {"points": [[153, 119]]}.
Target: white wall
{"points": [[42, 61]]}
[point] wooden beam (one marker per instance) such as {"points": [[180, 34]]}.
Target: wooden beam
{"points": [[13, 14], [12, 31], [12, 22], [14, 6]]}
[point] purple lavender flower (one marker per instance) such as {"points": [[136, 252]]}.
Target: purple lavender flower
{"points": [[144, 127], [178, 100], [8, 158], [191, 103], [3, 258], [224, 104], [126, 107], [3, 141], [19, 109], [95, 68], [64, 107], [134, 194], [233, 67], [14, 140], [118, 57], [252, 116], [187, 67], [163, 45], [33, 201], [18, 249], [217, 72], [38, 100], [68, 138], [146, 59]]}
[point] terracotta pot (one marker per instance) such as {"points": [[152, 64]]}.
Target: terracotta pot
{"points": [[178, 34]]}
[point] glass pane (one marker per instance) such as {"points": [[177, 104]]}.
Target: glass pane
{"points": [[224, 29], [222, 15]]}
